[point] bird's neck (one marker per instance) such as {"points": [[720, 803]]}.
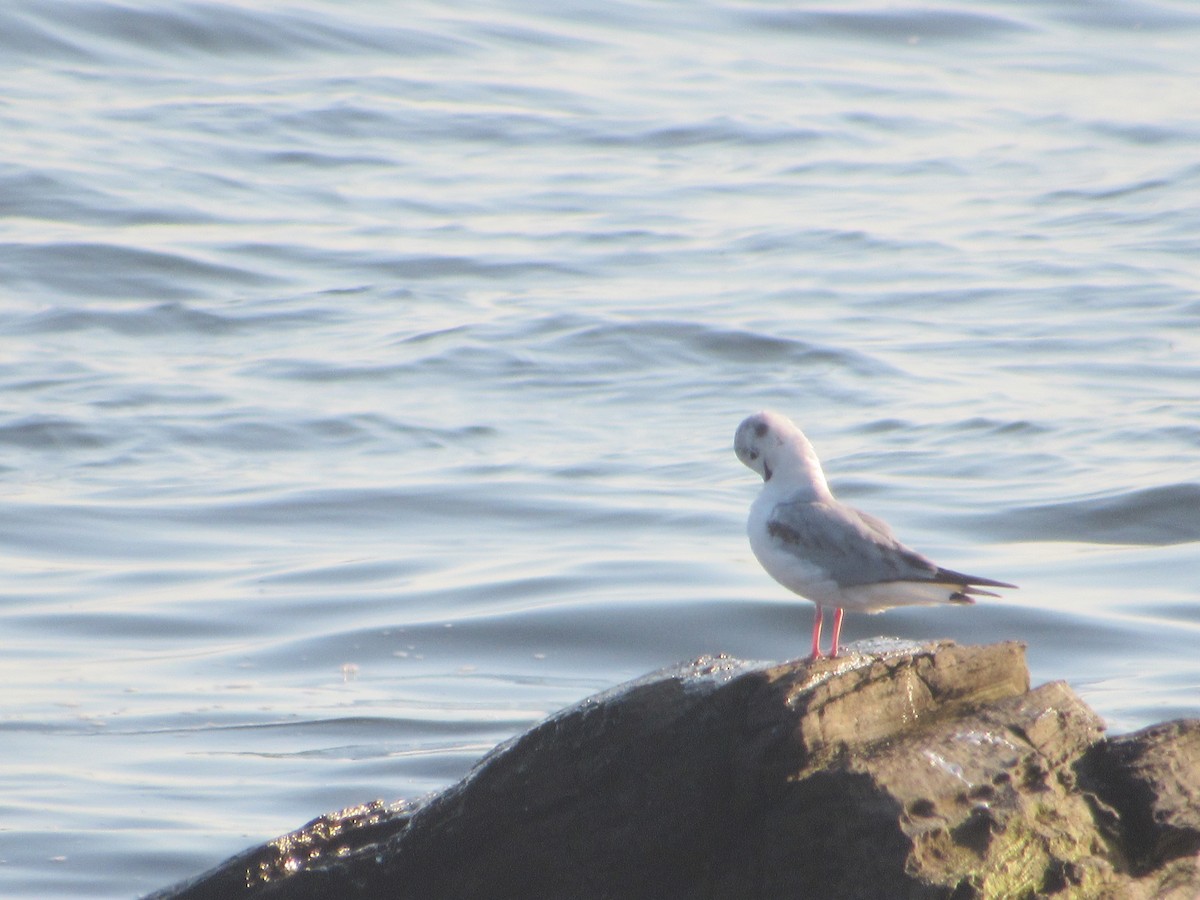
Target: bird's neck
{"points": [[800, 475]]}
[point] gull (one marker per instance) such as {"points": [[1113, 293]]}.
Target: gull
{"points": [[832, 554]]}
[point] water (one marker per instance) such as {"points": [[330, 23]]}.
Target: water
{"points": [[369, 375]]}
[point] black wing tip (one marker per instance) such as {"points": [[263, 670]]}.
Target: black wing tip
{"points": [[971, 583]]}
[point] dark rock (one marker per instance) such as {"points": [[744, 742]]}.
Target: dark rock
{"points": [[1152, 779], [912, 771]]}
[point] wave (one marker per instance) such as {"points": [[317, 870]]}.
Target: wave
{"points": [[1157, 516]]}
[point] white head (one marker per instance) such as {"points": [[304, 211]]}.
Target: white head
{"points": [[775, 448]]}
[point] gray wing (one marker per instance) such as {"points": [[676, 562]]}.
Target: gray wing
{"points": [[857, 548], [853, 547]]}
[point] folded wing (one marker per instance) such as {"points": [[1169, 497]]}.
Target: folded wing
{"points": [[856, 548]]}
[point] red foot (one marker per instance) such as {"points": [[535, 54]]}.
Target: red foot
{"points": [[816, 635]]}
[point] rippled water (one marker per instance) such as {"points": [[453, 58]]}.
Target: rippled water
{"points": [[370, 374]]}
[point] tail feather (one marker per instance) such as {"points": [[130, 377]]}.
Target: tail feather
{"points": [[969, 586]]}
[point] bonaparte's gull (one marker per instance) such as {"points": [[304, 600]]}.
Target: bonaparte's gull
{"points": [[828, 552]]}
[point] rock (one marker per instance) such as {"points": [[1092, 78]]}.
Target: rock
{"points": [[898, 771], [1152, 779]]}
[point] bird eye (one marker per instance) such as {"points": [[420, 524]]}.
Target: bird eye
{"points": [[753, 454], [761, 429]]}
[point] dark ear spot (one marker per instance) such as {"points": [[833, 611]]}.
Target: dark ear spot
{"points": [[760, 428]]}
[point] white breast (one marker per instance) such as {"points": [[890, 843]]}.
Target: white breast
{"points": [[794, 572]]}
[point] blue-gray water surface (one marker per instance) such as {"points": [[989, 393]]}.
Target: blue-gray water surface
{"points": [[369, 372]]}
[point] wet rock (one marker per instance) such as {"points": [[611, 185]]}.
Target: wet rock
{"points": [[899, 770]]}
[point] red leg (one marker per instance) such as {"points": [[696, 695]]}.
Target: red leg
{"points": [[837, 630], [816, 647]]}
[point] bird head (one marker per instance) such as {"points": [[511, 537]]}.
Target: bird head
{"points": [[774, 447]]}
